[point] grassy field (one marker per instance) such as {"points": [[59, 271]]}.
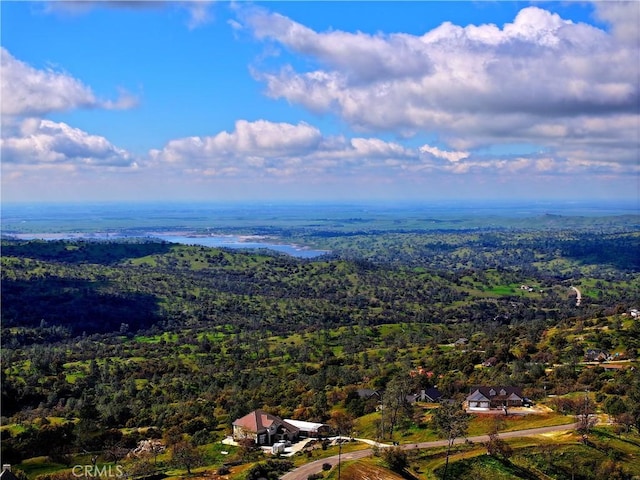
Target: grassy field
{"points": [[367, 426], [556, 456]]}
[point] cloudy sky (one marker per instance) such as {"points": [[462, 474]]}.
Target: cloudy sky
{"points": [[131, 100]]}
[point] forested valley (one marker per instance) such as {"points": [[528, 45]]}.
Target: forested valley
{"points": [[106, 344]]}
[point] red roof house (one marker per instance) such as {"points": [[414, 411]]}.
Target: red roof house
{"points": [[264, 428]]}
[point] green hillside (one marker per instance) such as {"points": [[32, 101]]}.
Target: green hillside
{"points": [[107, 344]]}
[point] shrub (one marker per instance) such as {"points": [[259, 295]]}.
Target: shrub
{"points": [[153, 432], [201, 437], [271, 469], [396, 458]]}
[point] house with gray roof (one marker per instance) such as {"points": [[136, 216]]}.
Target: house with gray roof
{"points": [[486, 398]]}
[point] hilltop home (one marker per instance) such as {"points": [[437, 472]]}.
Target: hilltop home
{"points": [[490, 362], [264, 428], [367, 394], [485, 398], [461, 342], [431, 394], [6, 473], [594, 355]]}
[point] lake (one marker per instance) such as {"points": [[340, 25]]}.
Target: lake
{"points": [[242, 242], [216, 241], [270, 226]]}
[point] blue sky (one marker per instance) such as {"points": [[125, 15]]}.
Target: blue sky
{"points": [[267, 101]]}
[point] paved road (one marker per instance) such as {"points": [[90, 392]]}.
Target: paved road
{"points": [[304, 471], [578, 296]]}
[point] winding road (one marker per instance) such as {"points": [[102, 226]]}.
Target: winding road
{"points": [[304, 471], [578, 296]]}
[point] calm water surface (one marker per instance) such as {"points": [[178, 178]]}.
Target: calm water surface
{"points": [[231, 241], [216, 241]]}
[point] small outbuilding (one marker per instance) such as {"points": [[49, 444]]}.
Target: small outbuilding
{"points": [[310, 429]]}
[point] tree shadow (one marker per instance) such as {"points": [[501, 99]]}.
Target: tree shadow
{"points": [[407, 475], [618, 250], [464, 468], [102, 252], [612, 436], [78, 306]]}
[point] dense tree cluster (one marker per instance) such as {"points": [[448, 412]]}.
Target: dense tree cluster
{"points": [[184, 339]]}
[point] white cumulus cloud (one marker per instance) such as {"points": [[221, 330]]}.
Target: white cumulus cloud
{"points": [[280, 150], [38, 141], [539, 79], [359, 56], [199, 11], [624, 18], [451, 156], [260, 146], [277, 149], [249, 140], [27, 91]]}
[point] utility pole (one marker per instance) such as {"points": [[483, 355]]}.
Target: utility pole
{"points": [[586, 411], [339, 456], [382, 421]]}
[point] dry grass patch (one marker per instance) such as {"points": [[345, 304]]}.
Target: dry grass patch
{"points": [[365, 469]]}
